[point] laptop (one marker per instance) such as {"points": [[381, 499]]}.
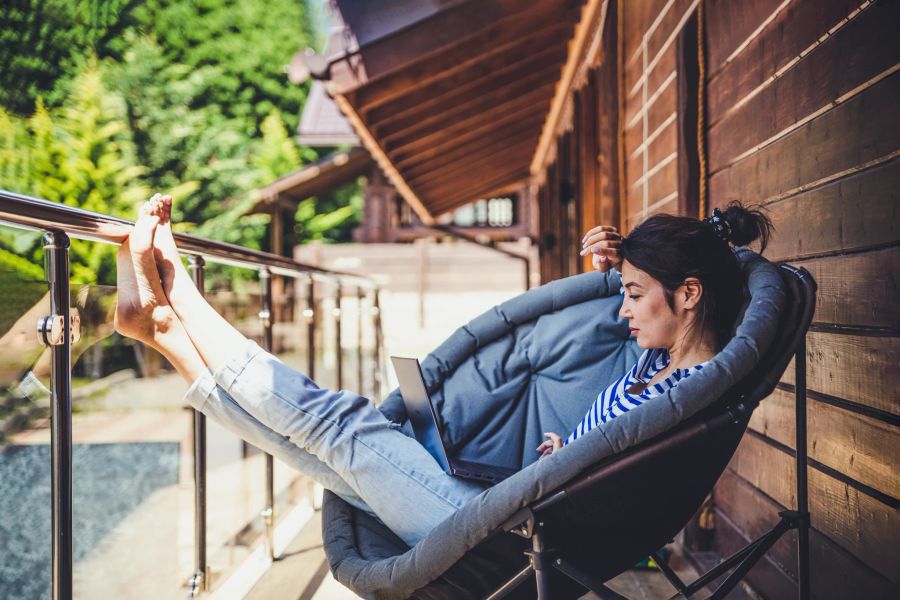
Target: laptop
{"points": [[428, 429]]}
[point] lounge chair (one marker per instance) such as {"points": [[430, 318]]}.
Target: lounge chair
{"points": [[570, 522]]}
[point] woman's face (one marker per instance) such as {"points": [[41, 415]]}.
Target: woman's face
{"points": [[652, 321]]}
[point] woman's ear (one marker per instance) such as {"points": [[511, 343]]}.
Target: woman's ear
{"points": [[693, 291]]}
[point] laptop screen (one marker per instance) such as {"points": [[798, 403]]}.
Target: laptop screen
{"points": [[419, 409]]}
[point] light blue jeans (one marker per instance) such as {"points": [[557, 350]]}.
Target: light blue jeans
{"points": [[337, 438]]}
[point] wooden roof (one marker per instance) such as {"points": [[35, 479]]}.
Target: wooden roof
{"points": [[321, 122], [451, 99], [317, 178]]}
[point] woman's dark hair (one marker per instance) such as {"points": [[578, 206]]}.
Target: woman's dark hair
{"points": [[670, 249]]}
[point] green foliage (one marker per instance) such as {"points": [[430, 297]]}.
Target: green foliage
{"points": [[41, 42], [81, 155], [105, 101]]}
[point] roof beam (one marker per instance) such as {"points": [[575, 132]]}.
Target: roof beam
{"points": [[496, 70], [435, 155], [464, 156], [382, 159], [533, 101]]}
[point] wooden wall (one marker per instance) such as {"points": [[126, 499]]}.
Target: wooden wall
{"points": [[801, 116], [802, 100]]}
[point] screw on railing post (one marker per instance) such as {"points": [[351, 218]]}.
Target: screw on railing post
{"points": [[309, 315], [56, 331], [338, 351], [200, 580], [376, 321], [267, 317], [360, 296]]}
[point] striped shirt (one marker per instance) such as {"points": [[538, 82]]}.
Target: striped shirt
{"points": [[615, 400]]}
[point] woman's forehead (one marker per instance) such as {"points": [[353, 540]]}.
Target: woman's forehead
{"points": [[631, 275]]}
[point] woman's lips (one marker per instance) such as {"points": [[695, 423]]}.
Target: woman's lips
{"points": [[634, 331]]}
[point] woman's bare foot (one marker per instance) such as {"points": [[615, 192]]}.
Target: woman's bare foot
{"points": [[176, 281], [142, 309], [213, 336]]}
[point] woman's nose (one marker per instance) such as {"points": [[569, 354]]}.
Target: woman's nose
{"points": [[624, 312]]}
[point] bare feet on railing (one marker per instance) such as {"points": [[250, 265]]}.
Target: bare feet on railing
{"points": [[212, 335], [142, 311]]}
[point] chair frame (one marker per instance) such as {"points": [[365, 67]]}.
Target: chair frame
{"points": [[542, 559]]}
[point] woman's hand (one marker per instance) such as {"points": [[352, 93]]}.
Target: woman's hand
{"points": [[603, 243], [549, 446]]}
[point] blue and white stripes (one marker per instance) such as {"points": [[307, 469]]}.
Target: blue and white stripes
{"points": [[615, 400]]}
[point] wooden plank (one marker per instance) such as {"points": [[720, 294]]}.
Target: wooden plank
{"points": [[662, 183], [419, 165], [857, 368], [512, 130], [508, 25], [480, 127], [861, 447], [662, 107], [533, 100], [858, 290], [837, 574], [866, 47], [667, 27], [661, 71], [793, 30], [854, 133], [607, 93], [479, 166], [663, 145], [432, 104], [851, 213], [862, 525], [639, 16], [729, 24]]}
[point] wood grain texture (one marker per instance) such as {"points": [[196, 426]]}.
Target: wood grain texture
{"points": [[666, 27], [851, 213], [859, 523], [745, 512], [851, 134], [857, 290], [865, 449], [792, 31], [729, 24], [857, 368], [864, 48]]}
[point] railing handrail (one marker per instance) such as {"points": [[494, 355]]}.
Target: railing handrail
{"points": [[39, 214]]}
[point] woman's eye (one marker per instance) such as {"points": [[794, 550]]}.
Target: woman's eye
{"points": [[633, 296]]}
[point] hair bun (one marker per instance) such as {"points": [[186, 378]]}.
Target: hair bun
{"points": [[747, 224]]}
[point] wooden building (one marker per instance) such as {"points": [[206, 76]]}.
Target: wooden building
{"points": [[608, 111]]}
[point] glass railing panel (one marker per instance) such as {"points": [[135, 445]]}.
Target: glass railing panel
{"points": [[235, 470], [132, 461], [24, 420]]}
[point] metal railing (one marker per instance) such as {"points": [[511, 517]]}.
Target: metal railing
{"points": [[59, 223]]}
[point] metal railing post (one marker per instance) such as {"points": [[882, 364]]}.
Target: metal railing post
{"points": [[338, 351], [56, 332], [803, 587], [267, 317], [200, 580], [309, 315], [376, 321], [360, 296]]}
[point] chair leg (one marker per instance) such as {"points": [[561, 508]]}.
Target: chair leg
{"points": [[511, 584], [588, 581]]}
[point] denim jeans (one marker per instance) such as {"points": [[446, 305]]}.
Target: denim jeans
{"points": [[337, 438]]}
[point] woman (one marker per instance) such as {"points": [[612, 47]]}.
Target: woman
{"points": [[682, 294]]}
